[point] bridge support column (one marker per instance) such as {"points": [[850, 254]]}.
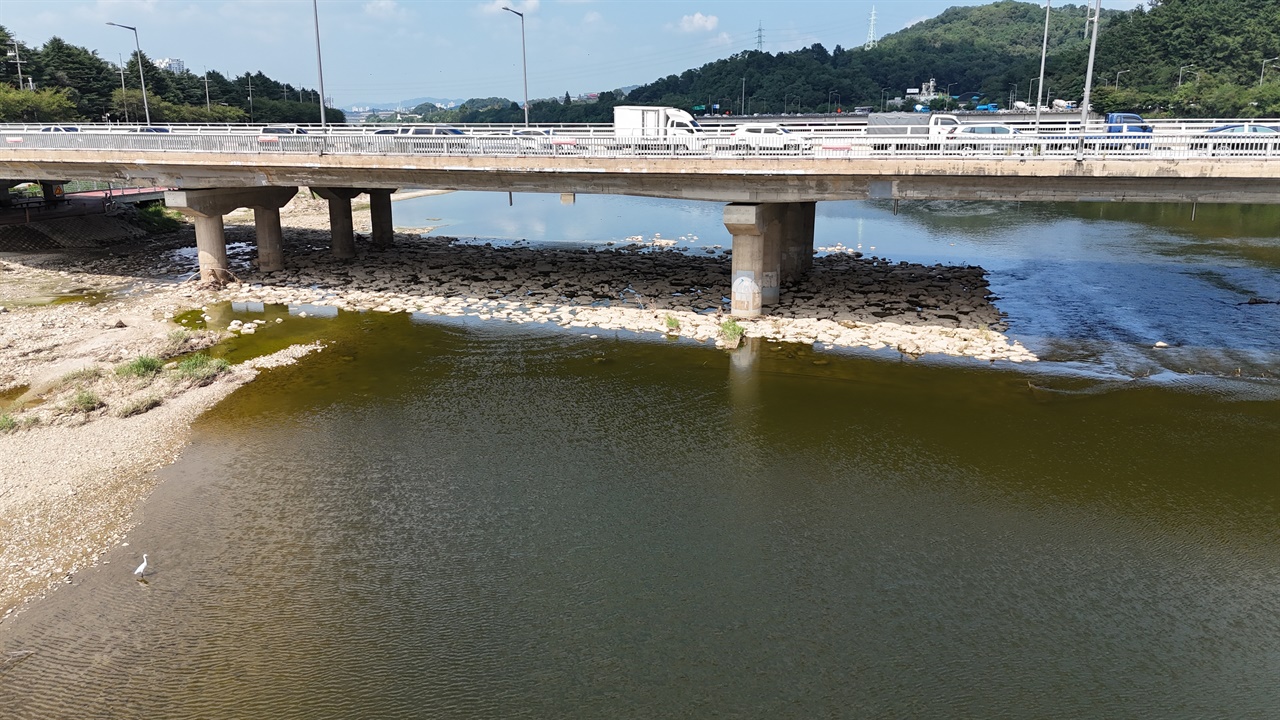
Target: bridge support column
{"points": [[757, 255], [797, 240], [206, 208], [266, 223], [211, 247], [380, 218], [343, 235]]}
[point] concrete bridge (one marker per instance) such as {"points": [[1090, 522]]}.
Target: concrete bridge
{"points": [[770, 192]]}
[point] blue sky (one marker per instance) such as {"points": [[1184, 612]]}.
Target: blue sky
{"points": [[388, 50]]}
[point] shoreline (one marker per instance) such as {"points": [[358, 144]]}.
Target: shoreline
{"points": [[72, 481]]}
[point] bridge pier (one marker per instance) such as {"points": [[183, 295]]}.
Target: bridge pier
{"points": [[380, 218], [772, 242], [342, 241], [206, 208]]}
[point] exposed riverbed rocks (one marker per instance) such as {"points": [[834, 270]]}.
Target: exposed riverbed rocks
{"points": [[846, 299]]}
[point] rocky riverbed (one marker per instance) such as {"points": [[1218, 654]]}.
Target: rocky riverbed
{"points": [[847, 300]]}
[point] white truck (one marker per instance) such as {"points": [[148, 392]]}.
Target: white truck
{"points": [[936, 125], [662, 124]]}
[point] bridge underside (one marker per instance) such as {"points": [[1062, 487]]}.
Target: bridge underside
{"points": [[770, 211], [740, 180]]}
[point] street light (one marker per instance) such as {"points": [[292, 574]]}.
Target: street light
{"points": [[785, 97], [829, 94], [1088, 73], [1184, 67], [882, 92], [147, 108], [315, 12], [1118, 74], [524, 62], [1044, 50], [1264, 69]]}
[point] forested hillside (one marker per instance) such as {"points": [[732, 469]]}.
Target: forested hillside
{"points": [[991, 52], [62, 81]]}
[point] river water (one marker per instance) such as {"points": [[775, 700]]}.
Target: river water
{"points": [[447, 518]]}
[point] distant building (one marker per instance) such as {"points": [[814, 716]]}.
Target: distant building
{"points": [[173, 65]]}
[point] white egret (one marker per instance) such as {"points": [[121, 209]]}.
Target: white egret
{"points": [[143, 567]]}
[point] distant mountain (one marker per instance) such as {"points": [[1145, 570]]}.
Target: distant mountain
{"points": [[409, 103]]}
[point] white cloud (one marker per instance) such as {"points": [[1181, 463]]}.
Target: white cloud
{"points": [[383, 9], [592, 18], [523, 6], [721, 40], [915, 20], [698, 22]]}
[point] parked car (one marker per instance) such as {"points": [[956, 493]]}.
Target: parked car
{"points": [[59, 128], [419, 130], [984, 137], [150, 129], [767, 136], [1240, 138], [282, 130]]}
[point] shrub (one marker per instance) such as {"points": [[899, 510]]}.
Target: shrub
{"points": [[139, 406], [7, 424], [673, 322], [175, 343], [730, 330], [142, 366], [201, 369], [157, 218], [83, 374], [85, 401]]}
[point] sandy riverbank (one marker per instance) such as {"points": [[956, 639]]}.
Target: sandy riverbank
{"points": [[72, 474]]}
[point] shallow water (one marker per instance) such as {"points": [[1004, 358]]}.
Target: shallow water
{"points": [[455, 519]]}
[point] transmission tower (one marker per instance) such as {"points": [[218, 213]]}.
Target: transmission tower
{"points": [[871, 31], [760, 37]]}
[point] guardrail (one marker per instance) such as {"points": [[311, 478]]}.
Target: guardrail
{"points": [[1094, 143]]}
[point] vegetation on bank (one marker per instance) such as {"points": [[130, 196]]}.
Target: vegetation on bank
{"points": [[131, 388], [65, 82], [1188, 58]]}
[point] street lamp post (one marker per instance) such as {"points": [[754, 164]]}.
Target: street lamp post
{"points": [[1264, 69], [1088, 74], [524, 64], [145, 107], [1118, 74], [1044, 50], [315, 12], [1184, 67], [882, 92], [829, 94]]}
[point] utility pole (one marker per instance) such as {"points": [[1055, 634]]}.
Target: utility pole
{"points": [[744, 96], [17, 60], [206, 89], [250, 96]]}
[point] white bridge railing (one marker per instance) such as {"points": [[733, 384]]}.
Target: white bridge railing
{"points": [[1179, 142]]}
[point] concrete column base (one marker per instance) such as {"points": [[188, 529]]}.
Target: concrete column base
{"points": [[211, 246], [266, 221], [341, 227], [797, 240], [380, 218], [757, 255]]}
